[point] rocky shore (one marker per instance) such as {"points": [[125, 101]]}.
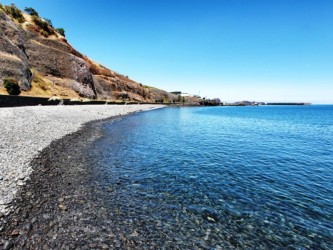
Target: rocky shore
{"points": [[44, 181]]}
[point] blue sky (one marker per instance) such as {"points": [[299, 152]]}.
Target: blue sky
{"points": [[263, 50]]}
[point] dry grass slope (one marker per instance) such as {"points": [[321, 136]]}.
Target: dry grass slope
{"points": [[42, 87]]}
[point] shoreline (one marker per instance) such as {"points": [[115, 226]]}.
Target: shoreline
{"points": [[26, 131], [59, 187], [49, 208]]}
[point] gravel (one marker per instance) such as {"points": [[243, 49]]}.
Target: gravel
{"points": [[26, 131], [63, 200]]}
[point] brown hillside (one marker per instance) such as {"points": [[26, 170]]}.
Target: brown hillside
{"points": [[45, 64]]}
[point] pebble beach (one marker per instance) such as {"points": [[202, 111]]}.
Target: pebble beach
{"points": [[26, 131]]}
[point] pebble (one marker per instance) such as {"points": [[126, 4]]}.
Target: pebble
{"points": [[27, 227], [63, 207], [15, 232], [18, 210], [104, 246], [20, 183], [134, 234], [8, 245], [46, 216], [210, 219], [33, 220], [92, 245], [249, 227]]}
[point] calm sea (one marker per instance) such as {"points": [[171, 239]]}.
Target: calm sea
{"points": [[221, 177]]}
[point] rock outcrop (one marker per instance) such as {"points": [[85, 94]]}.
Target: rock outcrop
{"points": [[13, 60], [26, 46]]}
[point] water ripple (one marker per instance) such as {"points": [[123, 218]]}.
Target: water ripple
{"points": [[222, 178]]}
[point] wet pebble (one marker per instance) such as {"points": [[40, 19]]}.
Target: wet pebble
{"points": [[210, 217], [249, 227]]}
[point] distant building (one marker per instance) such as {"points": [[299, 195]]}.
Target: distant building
{"points": [[176, 92]]}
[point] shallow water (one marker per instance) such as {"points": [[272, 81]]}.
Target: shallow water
{"points": [[220, 177]]}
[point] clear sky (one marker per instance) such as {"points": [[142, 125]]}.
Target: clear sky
{"points": [[262, 50]]}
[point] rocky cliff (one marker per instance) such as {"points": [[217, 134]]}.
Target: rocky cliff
{"points": [[32, 52]]}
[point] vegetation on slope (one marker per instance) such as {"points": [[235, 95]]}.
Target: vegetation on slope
{"points": [[42, 87], [13, 12]]}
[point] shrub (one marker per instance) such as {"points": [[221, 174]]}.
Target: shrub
{"points": [[40, 23], [44, 33], [31, 11], [49, 22], [14, 12], [46, 30], [123, 95], [61, 31], [12, 86]]}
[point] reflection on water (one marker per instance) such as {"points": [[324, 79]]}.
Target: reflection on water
{"points": [[221, 177]]}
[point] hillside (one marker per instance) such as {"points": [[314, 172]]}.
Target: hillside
{"points": [[39, 57]]}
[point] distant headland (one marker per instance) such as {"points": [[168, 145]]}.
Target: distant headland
{"points": [[216, 102]]}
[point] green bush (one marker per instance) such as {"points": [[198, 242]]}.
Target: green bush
{"points": [[61, 31], [12, 86], [46, 30], [44, 33], [49, 22], [40, 23], [31, 11], [14, 12]]}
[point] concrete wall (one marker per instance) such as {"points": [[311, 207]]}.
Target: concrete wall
{"points": [[18, 101]]}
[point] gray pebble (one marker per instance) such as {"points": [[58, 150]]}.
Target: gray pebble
{"points": [[46, 216], [33, 220], [8, 245], [27, 227]]}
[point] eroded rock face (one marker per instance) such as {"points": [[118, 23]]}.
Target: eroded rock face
{"points": [[22, 49], [13, 60], [55, 58], [104, 88]]}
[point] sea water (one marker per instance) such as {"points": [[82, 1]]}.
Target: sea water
{"points": [[221, 177]]}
